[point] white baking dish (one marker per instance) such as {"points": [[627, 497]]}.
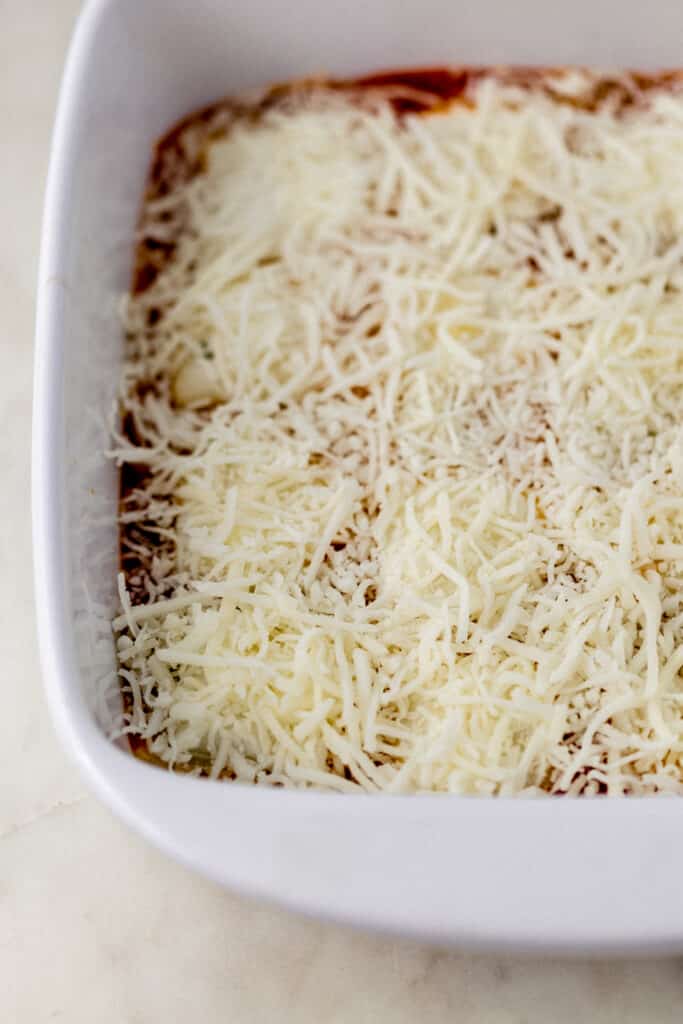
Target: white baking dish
{"points": [[533, 874]]}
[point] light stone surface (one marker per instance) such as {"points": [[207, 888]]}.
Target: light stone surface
{"points": [[95, 926]]}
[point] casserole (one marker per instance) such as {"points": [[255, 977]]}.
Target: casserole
{"points": [[517, 874]]}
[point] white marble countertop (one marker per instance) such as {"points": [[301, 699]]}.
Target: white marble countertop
{"points": [[95, 926]]}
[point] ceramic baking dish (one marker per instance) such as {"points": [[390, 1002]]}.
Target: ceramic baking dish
{"points": [[548, 874]]}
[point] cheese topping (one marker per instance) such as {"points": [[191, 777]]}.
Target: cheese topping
{"points": [[408, 396]]}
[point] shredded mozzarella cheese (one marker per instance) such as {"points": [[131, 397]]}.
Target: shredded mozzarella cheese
{"points": [[408, 395]]}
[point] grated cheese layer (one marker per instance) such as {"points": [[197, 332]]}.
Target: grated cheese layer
{"points": [[405, 408]]}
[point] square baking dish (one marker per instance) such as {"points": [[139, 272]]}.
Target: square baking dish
{"points": [[524, 874]]}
